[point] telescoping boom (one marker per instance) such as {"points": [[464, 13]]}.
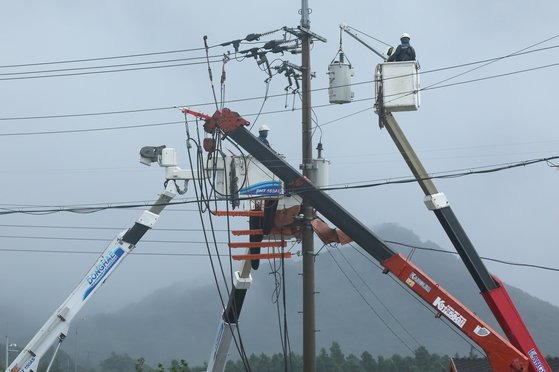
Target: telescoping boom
{"points": [[56, 327], [502, 355], [397, 89]]}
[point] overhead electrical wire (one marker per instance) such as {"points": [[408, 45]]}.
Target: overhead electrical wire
{"points": [[276, 95], [203, 205], [118, 112], [369, 305], [352, 267], [135, 55], [428, 249], [467, 172], [490, 77], [105, 66], [492, 61], [74, 227], [106, 71], [504, 262], [135, 253], [91, 129], [346, 186], [346, 116], [413, 295], [103, 239], [105, 58], [161, 124]]}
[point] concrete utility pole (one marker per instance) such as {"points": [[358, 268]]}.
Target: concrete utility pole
{"points": [[309, 342]]}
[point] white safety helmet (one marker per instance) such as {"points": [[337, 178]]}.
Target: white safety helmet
{"points": [[263, 128], [405, 34]]}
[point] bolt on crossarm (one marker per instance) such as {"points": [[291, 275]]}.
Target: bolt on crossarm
{"points": [[492, 289]]}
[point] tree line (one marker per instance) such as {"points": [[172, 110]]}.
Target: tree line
{"points": [[331, 360]]}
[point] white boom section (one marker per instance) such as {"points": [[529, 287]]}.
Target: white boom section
{"points": [[56, 327], [58, 324], [227, 327], [220, 351]]}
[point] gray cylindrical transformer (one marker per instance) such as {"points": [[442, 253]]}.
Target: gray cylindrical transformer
{"points": [[339, 88], [320, 173]]}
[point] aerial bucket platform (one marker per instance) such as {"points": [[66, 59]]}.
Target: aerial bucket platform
{"points": [[397, 86]]}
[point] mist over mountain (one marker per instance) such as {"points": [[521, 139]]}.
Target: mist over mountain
{"points": [[181, 321]]}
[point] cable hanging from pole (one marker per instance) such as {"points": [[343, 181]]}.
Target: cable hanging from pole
{"points": [[210, 70]]}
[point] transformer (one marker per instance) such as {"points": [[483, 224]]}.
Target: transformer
{"points": [[339, 88]]}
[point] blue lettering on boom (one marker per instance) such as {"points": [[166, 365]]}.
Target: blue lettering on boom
{"points": [[101, 270], [262, 188]]}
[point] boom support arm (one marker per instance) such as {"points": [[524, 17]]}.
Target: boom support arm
{"points": [[492, 289], [502, 355], [230, 318], [56, 327]]}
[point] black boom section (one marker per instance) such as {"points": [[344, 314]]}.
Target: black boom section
{"points": [[465, 249], [134, 234], [234, 306], [295, 183]]}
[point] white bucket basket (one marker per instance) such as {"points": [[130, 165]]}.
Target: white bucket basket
{"points": [[397, 84]]}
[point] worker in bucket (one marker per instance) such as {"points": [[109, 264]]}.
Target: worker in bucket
{"points": [[404, 51], [263, 134]]}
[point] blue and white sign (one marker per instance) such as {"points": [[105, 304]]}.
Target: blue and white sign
{"points": [[101, 270], [267, 188]]}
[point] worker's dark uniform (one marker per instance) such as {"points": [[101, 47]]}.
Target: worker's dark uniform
{"points": [[404, 52], [264, 140]]}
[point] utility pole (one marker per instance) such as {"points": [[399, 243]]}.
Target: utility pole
{"points": [[309, 339]]}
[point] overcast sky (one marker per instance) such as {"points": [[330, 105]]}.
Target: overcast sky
{"points": [[509, 215]]}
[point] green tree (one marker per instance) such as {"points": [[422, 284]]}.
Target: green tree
{"points": [[352, 364], [368, 363], [336, 355], [118, 363], [177, 366], [140, 365], [323, 362]]}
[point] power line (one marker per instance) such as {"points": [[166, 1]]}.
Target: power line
{"points": [[69, 227], [346, 116], [421, 301], [429, 249], [90, 208], [483, 258], [116, 57], [369, 304], [464, 173], [490, 77], [102, 239], [139, 203], [378, 298], [274, 95], [91, 129], [493, 61], [104, 58], [88, 114], [135, 253], [107, 71], [104, 66], [157, 124]]}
